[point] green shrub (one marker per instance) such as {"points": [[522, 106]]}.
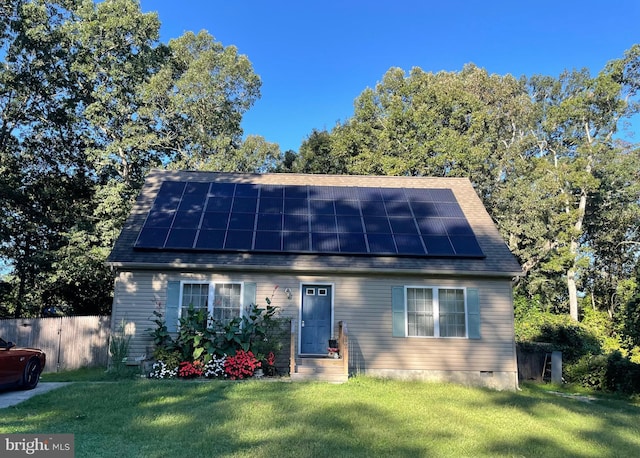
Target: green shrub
{"points": [[200, 337], [171, 358], [572, 339], [119, 350], [614, 373], [589, 372], [195, 338], [622, 375]]}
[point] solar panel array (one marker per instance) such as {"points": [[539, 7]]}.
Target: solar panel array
{"points": [[215, 216]]}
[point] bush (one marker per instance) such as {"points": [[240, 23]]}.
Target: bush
{"points": [[613, 373], [589, 372], [573, 339], [622, 375]]}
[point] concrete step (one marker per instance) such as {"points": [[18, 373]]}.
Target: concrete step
{"points": [[319, 369], [329, 378]]}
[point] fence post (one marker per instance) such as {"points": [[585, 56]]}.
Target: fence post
{"points": [[343, 343]]}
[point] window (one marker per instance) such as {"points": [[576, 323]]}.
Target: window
{"points": [[436, 312], [227, 302], [222, 301], [196, 295]]}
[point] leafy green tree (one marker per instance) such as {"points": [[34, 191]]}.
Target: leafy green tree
{"points": [[197, 99], [612, 231], [316, 155], [540, 152], [579, 116], [42, 161], [116, 50], [90, 100]]}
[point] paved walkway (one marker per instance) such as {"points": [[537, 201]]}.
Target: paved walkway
{"points": [[11, 398]]}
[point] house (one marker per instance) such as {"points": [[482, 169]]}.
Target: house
{"points": [[414, 268]]}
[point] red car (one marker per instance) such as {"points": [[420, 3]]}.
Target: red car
{"points": [[20, 367]]}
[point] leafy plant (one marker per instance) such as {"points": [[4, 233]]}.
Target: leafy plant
{"points": [[119, 350], [160, 334], [200, 338], [195, 339]]}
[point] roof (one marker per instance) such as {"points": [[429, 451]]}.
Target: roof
{"points": [[487, 254]]}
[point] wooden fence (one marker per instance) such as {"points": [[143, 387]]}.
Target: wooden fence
{"points": [[69, 342]]}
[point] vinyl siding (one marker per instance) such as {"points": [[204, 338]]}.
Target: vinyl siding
{"points": [[364, 303]]}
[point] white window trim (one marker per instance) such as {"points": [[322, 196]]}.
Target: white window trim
{"points": [[211, 296], [436, 311]]}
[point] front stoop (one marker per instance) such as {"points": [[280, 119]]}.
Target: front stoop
{"points": [[319, 369]]}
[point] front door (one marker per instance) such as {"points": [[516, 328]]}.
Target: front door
{"points": [[315, 321]]}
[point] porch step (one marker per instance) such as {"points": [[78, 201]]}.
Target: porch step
{"points": [[319, 369]]}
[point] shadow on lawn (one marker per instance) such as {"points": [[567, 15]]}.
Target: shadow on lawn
{"points": [[184, 418], [610, 425], [261, 419]]}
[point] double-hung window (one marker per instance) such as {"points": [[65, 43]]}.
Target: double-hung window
{"points": [[196, 296], [220, 301], [227, 302], [435, 312]]}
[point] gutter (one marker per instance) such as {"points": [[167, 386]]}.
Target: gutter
{"points": [[126, 266]]}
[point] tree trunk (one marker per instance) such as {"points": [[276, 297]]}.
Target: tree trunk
{"points": [[573, 293]]}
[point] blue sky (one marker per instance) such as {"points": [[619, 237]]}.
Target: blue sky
{"points": [[315, 58]]}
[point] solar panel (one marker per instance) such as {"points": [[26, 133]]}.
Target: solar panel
{"points": [[245, 190], [187, 219], [269, 222], [222, 189], [268, 240], [215, 220], [218, 216], [210, 239], [238, 240], [326, 242], [381, 243], [352, 243], [181, 238]]}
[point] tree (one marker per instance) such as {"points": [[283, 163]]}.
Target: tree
{"points": [[42, 161], [90, 100], [116, 51], [579, 116], [540, 153], [612, 231], [197, 100], [316, 155]]}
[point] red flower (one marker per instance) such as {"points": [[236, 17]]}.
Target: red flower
{"points": [[242, 364], [188, 369]]}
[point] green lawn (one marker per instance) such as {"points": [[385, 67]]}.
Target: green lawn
{"points": [[364, 417]]}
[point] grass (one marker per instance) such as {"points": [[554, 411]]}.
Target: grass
{"points": [[89, 374], [364, 417]]}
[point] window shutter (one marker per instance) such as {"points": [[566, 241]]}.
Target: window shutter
{"points": [[397, 311], [249, 296], [172, 306], [473, 313]]}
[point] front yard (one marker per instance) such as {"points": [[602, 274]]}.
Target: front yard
{"points": [[364, 417]]}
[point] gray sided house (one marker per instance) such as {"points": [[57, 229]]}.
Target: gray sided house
{"points": [[410, 272]]}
